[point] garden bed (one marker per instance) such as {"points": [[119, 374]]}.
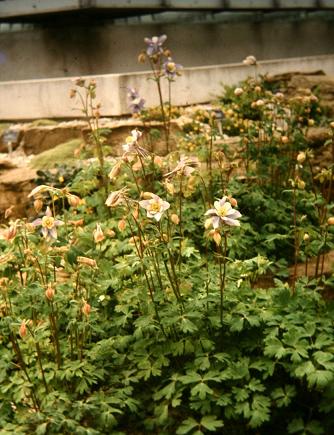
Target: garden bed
{"points": [[131, 301]]}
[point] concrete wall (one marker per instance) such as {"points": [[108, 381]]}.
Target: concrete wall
{"points": [[71, 50], [49, 98]]}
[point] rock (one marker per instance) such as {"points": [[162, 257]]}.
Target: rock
{"points": [[10, 139], [38, 139], [15, 185], [293, 84], [317, 136]]}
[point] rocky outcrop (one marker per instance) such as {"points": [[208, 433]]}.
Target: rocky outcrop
{"points": [[293, 84], [15, 185]]}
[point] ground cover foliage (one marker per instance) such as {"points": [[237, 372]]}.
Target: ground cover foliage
{"points": [[130, 303]]}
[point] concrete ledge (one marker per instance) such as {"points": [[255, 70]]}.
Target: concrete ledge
{"points": [[49, 98]]}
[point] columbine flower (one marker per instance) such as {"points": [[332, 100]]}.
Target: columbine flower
{"points": [[155, 207], [171, 69], [223, 214], [249, 60], [137, 103], [186, 166], [131, 144], [49, 224], [154, 45]]}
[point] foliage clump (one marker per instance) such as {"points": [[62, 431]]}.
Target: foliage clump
{"points": [[131, 304]]}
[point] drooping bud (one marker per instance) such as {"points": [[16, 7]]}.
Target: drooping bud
{"points": [[135, 213], [301, 157], [86, 309], [9, 211], [330, 220], [233, 201], [9, 233], [111, 233], [87, 261], [306, 237], [98, 234], [215, 235], [115, 170], [175, 219], [73, 200], [72, 93], [122, 225], [300, 184], [38, 205], [49, 292], [207, 223], [285, 139], [23, 329], [238, 91]]}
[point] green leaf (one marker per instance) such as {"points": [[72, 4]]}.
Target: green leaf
{"points": [[260, 410], [201, 390], [211, 423], [237, 324], [283, 396], [186, 426], [165, 392], [187, 325], [320, 378], [41, 429], [325, 359], [275, 348], [296, 425], [304, 369]]}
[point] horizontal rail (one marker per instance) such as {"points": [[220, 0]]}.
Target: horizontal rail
{"points": [[10, 9]]}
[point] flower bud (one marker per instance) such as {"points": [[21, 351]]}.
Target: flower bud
{"points": [[175, 219], [135, 213], [233, 201], [87, 261], [330, 220], [72, 93], [86, 309], [98, 234], [122, 225], [306, 237], [257, 89], [147, 195], [9, 233], [301, 157], [217, 237], [111, 233], [23, 329], [38, 205], [300, 184], [115, 170], [73, 200], [285, 139], [238, 91], [9, 211], [310, 122], [80, 82], [142, 57], [49, 293], [332, 124], [158, 161]]}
